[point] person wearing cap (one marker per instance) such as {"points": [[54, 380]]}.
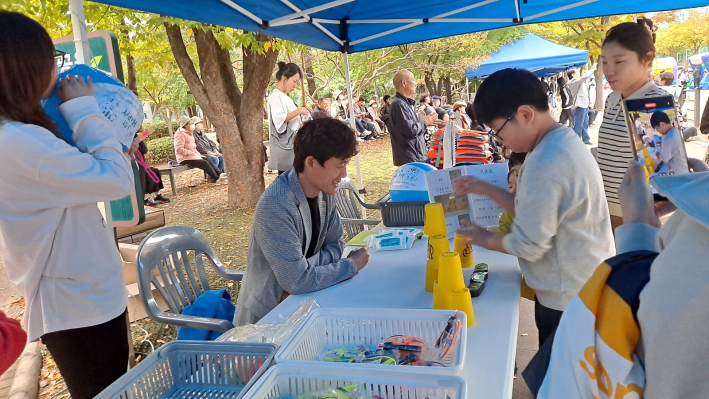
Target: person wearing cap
{"points": [[436, 101], [338, 109], [459, 107], [205, 146], [187, 154]]}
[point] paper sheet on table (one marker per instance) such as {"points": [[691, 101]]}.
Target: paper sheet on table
{"points": [[360, 239], [480, 210]]}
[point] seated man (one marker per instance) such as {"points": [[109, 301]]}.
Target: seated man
{"points": [[205, 146], [321, 109], [296, 242]]}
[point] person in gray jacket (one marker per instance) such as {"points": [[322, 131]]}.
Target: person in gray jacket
{"points": [[407, 132], [297, 238]]}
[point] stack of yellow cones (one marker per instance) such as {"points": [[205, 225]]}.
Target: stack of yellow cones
{"points": [[450, 292], [434, 227], [437, 246]]}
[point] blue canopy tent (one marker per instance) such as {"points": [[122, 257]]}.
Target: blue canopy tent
{"points": [[358, 25], [531, 52]]}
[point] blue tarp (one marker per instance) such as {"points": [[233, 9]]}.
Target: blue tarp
{"points": [[531, 52], [359, 25]]}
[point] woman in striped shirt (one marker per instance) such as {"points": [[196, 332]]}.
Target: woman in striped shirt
{"points": [[627, 54]]}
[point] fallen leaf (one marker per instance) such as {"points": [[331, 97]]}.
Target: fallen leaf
{"points": [[43, 383], [160, 341], [230, 284], [524, 334]]}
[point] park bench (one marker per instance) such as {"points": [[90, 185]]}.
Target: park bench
{"points": [[171, 171]]}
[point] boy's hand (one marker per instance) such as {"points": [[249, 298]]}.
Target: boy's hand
{"points": [[475, 234], [471, 185], [72, 87], [636, 200], [360, 257]]}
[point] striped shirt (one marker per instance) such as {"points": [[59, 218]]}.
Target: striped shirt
{"points": [[614, 151]]}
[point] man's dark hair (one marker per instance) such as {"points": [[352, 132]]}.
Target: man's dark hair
{"points": [[423, 97], [667, 78], [658, 117], [516, 158], [504, 91], [570, 74], [321, 99], [386, 97], [323, 139]]}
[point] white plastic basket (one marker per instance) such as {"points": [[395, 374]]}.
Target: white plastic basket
{"points": [[352, 327], [298, 378]]}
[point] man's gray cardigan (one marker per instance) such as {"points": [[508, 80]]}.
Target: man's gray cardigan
{"points": [[280, 237]]}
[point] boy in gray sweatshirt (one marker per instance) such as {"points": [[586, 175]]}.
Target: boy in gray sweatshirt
{"points": [[562, 228]]}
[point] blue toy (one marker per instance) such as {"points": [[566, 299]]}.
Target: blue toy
{"points": [[409, 182], [117, 102]]}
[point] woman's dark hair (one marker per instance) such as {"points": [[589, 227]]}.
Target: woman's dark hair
{"points": [[287, 70], [633, 37], [561, 82], [386, 97], [647, 23], [423, 97], [323, 139], [26, 68], [516, 158], [361, 98], [470, 111], [506, 90]]}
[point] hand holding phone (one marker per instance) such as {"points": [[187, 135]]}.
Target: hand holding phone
{"points": [[655, 136]]}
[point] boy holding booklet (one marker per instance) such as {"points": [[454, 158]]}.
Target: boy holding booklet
{"points": [[561, 230]]}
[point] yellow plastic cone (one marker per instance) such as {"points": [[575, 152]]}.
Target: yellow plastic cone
{"points": [[434, 222], [450, 273], [465, 251], [437, 245]]}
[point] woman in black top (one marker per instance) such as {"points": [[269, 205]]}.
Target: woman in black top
{"points": [[146, 183]]}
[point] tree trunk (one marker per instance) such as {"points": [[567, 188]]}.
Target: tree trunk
{"points": [[236, 117], [168, 120], [130, 62], [439, 88], [447, 86], [428, 81], [132, 80], [309, 73]]}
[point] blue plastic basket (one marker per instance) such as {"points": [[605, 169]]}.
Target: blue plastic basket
{"points": [[195, 369]]}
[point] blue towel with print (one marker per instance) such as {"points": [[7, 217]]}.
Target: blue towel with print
{"points": [[215, 304]]}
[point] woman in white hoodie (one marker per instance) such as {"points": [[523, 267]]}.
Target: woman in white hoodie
{"points": [[55, 244], [674, 305]]}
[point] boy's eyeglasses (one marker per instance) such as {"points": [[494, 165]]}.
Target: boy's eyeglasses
{"points": [[496, 135], [59, 58]]}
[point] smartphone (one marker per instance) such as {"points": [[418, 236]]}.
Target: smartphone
{"points": [[655, 135]]}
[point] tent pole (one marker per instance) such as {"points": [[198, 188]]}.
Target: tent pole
{"points": [[81, 36], [350, 105]]}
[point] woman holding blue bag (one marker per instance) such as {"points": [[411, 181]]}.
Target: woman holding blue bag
{"points": [[54, 242]]}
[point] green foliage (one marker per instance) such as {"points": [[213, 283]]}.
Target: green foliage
{"points": [[159, 129], [162, 149]]}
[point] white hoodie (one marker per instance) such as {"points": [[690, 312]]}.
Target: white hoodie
{"points": [[674, 305], [53, 239]]}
